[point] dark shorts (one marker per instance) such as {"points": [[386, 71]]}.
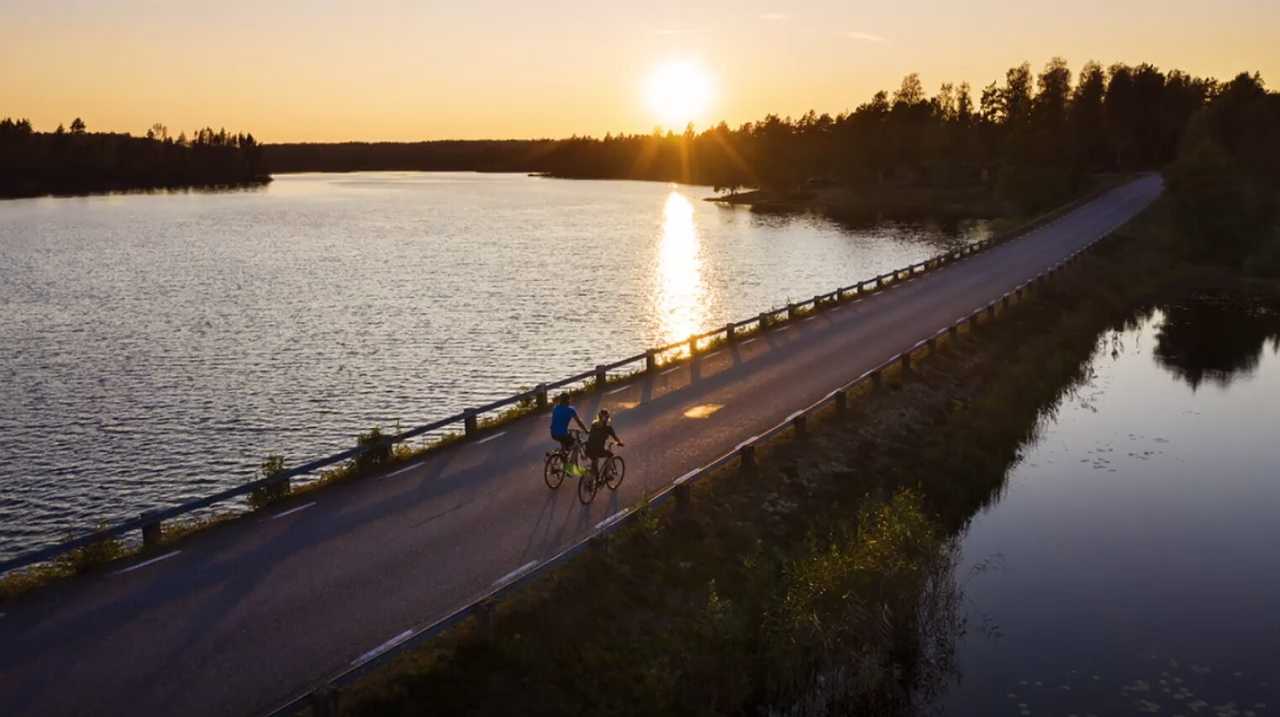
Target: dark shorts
{"points": [[565, 441]]}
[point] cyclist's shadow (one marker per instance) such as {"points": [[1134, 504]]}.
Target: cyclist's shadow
{"points": [[548, 531]]}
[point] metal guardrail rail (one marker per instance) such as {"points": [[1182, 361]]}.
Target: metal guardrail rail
{"points": [[149, 522]]}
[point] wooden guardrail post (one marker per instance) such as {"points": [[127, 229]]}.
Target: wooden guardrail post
{"points": [[953, 331], [469, 424], [747, 457], [324, 702], [684, 500], [764, 321], [932, 344], [693, 346], [650, 361], [842, 401], [906, 362], [730, 333], [540, 395], [602, 376], [991, 310], [817, 303], [484, 619], [800, 423], [152, 530], [876, 380]]}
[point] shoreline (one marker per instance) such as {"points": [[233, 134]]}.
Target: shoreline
{"points": [[863, 204], [162, 188]]}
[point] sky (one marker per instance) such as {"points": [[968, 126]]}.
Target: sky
{"points": [[288, 70]]}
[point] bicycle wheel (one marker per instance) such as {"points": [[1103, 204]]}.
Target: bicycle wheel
{"points": [[553, 471], [614, 471], [587, 487]]}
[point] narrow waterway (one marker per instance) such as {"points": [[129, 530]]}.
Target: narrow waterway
{"points": [[1131, 564]]}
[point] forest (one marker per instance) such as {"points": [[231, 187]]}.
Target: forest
{"points": [[1031, 135], [77, 161]]}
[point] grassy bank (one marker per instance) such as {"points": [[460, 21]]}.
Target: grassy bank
{"points": [[820, 580], [869, 203], [876, 202]]}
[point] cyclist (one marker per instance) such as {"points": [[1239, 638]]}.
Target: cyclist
{"points": [[561, 415], [601, 429]]}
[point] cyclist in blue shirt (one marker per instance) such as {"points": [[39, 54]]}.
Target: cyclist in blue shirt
{"points": [[560, 417]]}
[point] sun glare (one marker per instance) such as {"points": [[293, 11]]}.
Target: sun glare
{"points": [[682, 296], [679, 93]]}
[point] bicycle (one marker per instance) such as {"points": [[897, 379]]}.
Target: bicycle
{"points": [[611, 475], [559, 461]]}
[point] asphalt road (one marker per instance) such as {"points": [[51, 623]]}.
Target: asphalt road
{"points": [[243, 618]]}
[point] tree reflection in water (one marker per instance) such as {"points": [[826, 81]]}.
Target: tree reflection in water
{"points": [[1215, 338]]}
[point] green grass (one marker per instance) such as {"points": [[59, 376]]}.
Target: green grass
{"points": [[77, 562]]}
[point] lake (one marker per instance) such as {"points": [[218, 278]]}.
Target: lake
{"points": [[1130, 564], [156, 347]]}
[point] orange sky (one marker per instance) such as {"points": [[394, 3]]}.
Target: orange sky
{"points": [[323, 71]]}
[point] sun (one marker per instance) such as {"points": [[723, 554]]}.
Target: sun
{"points": [[679, 93]]}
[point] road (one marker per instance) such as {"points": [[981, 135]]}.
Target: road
{"points": [[245, 617]]}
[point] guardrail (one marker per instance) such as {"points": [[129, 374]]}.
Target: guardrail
{"points": [[322, 699], [150, 522]]}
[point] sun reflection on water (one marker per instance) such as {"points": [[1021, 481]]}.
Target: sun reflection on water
{"points": [[681, 293]]}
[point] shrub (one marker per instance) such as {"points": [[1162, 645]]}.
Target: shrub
{"points": [[92, 555], [265, 495], [377, 452]]}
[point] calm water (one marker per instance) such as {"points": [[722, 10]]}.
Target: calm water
{"points": [[1131, 565], [155, 348]]}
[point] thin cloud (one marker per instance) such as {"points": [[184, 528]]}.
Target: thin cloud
{"points": [[773, 16], [867, 37]]}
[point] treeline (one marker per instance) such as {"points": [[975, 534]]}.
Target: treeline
{"points": [[77, 161], [1031, 137]]}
